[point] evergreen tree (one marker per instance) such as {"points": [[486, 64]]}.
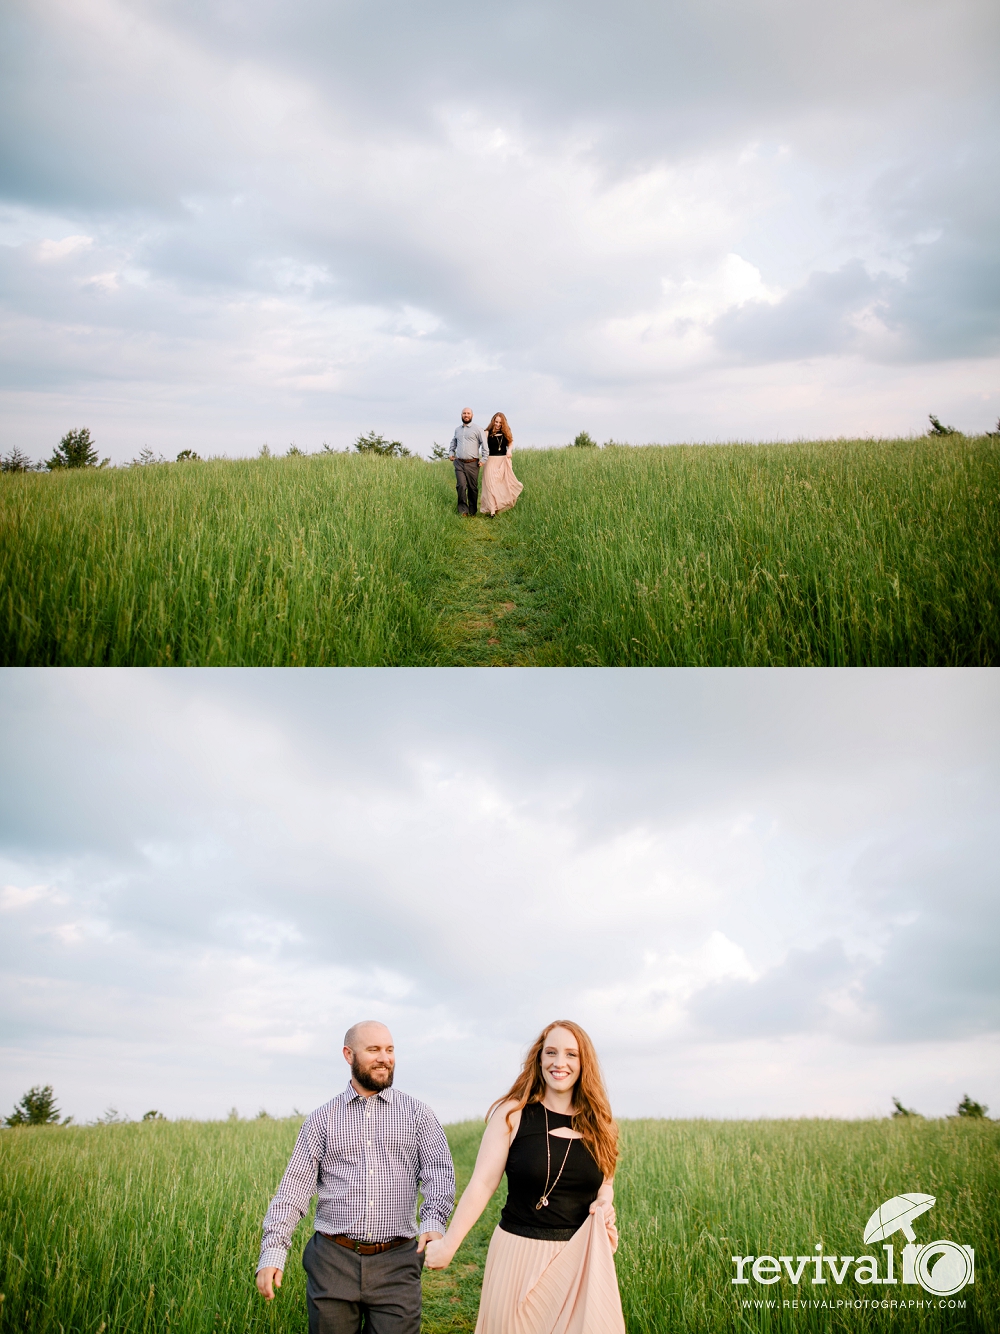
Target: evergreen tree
{"points": [[76, 450], [37, 1108], [17, 461], [378, 444]]}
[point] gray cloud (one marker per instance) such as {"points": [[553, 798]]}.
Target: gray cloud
{"points": [[301, 217], [793, 997], [814, 321]]}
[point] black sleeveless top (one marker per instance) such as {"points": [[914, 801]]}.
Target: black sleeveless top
{"points": [[570, 1201], [497, 444]]}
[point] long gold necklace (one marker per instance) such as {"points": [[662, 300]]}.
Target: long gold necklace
{"points": [[544, 1201]]}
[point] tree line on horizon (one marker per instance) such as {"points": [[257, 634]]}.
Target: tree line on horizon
{"points": [[77, 449], [38, 1107]]}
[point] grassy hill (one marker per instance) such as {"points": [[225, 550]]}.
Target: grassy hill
{"points": [[139, 1229], [827, 553]]}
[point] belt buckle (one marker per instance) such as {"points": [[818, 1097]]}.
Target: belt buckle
{"points": [[357, 1247]]}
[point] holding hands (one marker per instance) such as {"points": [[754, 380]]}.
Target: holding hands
{"points": [[439, 1254]]}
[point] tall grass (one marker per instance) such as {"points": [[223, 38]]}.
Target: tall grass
{"points": [[156, 1226], [694, 1194], [829, 553], [143, 1227], [816, 554], [326, 560]]}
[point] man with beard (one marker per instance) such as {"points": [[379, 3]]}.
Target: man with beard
{"points": [[468, 451], [365, 1153]]}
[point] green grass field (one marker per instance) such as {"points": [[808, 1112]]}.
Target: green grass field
{"points": [[155, 1227], [824, 553]]}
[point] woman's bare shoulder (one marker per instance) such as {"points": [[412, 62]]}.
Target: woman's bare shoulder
{"points": [[499, 1113]]}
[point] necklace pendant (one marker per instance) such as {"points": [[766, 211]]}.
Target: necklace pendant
{"points": [[545, 1202]]}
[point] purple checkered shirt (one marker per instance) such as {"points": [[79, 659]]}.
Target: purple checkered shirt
{"points": [[365, 1158]]}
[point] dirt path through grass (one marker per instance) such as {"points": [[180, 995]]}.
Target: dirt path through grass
{"points": [[492, 614]]}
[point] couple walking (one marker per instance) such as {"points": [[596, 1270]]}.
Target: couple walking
{"points": [[471, 451], [550, 1266]]}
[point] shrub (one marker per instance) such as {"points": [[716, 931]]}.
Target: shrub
{"points": [[37, 1108], [153, 1115], [146, 456], [903, 1111], [585, 441], [76, 450], [967, 1107], [378, 444], [439, 451], [188, 456], [293, 452], [111, 1117], [938, 429]]}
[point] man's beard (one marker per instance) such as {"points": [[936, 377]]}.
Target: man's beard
{"points": [[367, 1081]]}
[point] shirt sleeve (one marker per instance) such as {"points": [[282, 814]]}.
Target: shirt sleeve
{"points": [[454, 445], [484, 449], [291, 1202], [437, 1175]]}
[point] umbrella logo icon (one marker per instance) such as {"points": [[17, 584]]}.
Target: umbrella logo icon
{"points": [[941, 1267], [897, 1215]]}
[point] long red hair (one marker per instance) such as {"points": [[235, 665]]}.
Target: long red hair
{"points": [[592, 1117], [505, 430]]}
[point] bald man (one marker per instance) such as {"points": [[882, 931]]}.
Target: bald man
{"points": [[364, 1153], [468, 451]]}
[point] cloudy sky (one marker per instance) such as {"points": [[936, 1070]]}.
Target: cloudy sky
{"points": [[764, 892], [223, 223]]}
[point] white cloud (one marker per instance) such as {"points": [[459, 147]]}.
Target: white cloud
{"points": [[718, 864], [12, 897], [50, 250]]}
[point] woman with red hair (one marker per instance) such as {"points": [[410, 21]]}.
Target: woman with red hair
{"points": [[500, 487], [550, 1267]]}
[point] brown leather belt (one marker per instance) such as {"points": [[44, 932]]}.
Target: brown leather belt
{"points": [[365, 1248]]}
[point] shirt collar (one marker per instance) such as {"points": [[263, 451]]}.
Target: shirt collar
{"points": [[351, 1094]]}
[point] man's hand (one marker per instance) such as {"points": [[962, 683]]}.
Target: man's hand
{"points": [[425, 1237], [481, 463], [438, 1252], [267, 1281]]}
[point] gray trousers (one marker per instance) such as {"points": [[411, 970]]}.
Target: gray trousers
{"points": [[467, 484], [347, 1292]]}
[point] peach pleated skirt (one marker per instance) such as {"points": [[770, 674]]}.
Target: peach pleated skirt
{"points": [[500, 488], [551, 1287]]}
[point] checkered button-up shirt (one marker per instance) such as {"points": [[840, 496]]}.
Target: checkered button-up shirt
{"points": [[365, 1158]]}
